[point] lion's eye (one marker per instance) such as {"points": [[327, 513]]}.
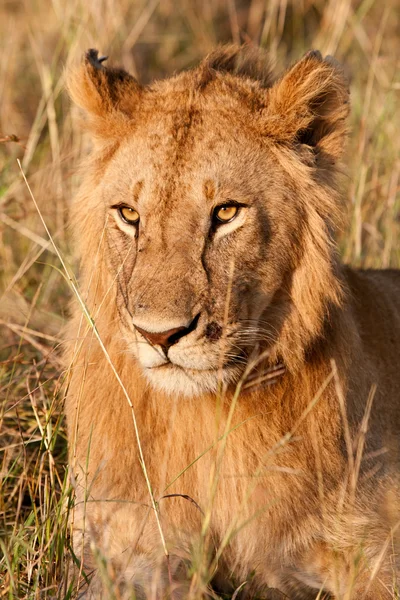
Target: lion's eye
{"points": [[226, 213], [129, 215]]}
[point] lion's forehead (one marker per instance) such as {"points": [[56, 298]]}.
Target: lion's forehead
{"points": [[171, 124], [197, 161]]}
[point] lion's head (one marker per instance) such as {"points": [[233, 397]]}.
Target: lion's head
{"points": [[215, 194]]}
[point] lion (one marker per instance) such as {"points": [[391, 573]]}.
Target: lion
{"points": [[233, 405]]}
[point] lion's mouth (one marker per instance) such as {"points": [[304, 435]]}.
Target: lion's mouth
{"points": [[155, 363], [190, 380], [170, 364]]}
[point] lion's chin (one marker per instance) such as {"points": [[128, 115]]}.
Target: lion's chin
{"points": [[176, 381]]}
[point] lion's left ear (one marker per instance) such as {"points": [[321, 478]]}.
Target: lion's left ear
{"points": [[309, 105], [109, 96]]}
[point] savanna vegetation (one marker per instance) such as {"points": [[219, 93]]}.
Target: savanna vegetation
{"points": [[40, 137]]}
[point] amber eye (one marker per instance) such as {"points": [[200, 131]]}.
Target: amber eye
{"points": [[226, 213], [129, 215]]}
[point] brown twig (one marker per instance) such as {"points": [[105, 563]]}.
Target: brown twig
{"points": [[12, 138]]}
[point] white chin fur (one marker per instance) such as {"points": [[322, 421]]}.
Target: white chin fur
{"points": [[174, 380]]}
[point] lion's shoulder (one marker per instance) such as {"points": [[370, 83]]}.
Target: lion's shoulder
{"points": [[375, 300]]}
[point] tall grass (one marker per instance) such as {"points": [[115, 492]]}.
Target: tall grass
{"points": [[150, 38]]}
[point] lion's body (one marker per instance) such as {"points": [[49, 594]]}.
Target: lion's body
{"points": [[296, 481]]}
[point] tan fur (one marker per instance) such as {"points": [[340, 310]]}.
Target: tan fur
{"points": [[309, 498]]}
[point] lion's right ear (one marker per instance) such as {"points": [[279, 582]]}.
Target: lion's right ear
{"points": [[109, 96]]}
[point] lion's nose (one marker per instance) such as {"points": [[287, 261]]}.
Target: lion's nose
{"points": [[168, 338]]}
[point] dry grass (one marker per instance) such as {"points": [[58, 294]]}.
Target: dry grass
{"points": [[151, 38]]}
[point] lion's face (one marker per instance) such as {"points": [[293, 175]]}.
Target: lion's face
{"points": [[204, 223], [195, 234]]}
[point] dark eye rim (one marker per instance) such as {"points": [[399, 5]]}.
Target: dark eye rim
{"points": [[120, 208], [229, 204]]}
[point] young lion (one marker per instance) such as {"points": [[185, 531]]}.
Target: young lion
{"points": [[262, 373]]}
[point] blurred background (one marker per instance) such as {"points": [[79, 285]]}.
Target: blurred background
{"points": [[151, 39]]}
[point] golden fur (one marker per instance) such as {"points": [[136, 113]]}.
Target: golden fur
{"points": [[304, 485]]}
